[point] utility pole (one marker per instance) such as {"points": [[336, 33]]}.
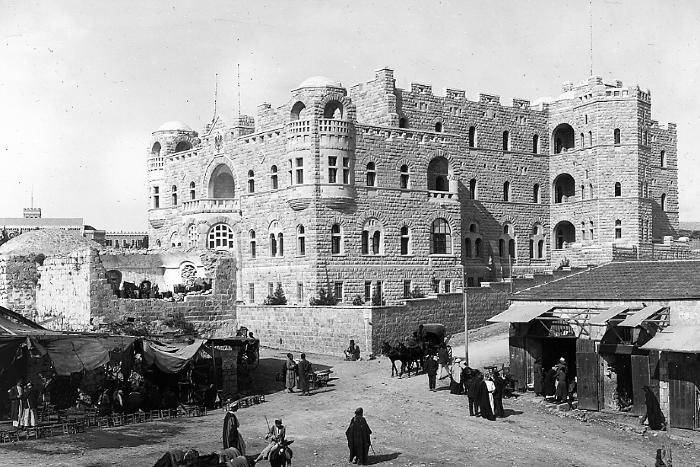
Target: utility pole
{"points": [[465, 300]]}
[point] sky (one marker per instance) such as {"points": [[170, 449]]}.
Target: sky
{"points": [[83, 84]]}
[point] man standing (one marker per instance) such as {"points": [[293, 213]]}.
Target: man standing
{"points": [[431, 367], [275, 436], [358, 439], [443, 360], [561, 376], [304, 369], [500, 384], [472, 389], [289, 373]]}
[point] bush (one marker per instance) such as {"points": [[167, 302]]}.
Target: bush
{"points": [[178, 321], [357, 301], [417, 293], [324, 299], [276, 298]]}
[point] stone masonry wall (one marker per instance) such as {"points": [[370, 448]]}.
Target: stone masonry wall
{"points": [[18, 279]]}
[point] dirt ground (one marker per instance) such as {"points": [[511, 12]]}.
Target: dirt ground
{"points": [[411, 425]]}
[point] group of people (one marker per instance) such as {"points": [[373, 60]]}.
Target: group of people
{"points": [[485, 391], [24, 401], [352, 353], [300, 371], [554, 383]]}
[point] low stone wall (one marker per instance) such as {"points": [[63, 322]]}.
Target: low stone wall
{"points": [[324, 330]]}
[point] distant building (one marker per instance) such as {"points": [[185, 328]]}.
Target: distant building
{"points": [[32, 220]]}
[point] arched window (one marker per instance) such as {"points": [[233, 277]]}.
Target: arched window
{"points": [[193, 193], [618, 189], [536, 193], [663, 201], [473, 228], [472, 137], [477, 248], [616, 135], [501, 247], [645, 189], [251, 181], [511, 248], [563, 138], [404, 179], [535, 144], [506, 191], [405, 241], [403, 122], [618, 228], [564, 188], [155, 150], [371, 174], [583, 141], [540, 249], [506, 141], [590, 139], [441, 237], [273, 245], [438, 173], [532, 249], [221, 183], [174, 240], [591, 230], [662, 158], [298, 111], [174, 194], [220, 237], [192, 236], [333, 109], [645, 138], [473, 189], [183, 146], [372, 238], [468, 247], [336, 240], [590, 191], [438, 127], [301, 241], [156, 197], [583, 191], [274, 184], [584, 232], [280, 244], [253, 249]]}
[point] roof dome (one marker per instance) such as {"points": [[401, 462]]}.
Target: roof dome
{"points": [[174, 126], [318, 82], [47, 241]]}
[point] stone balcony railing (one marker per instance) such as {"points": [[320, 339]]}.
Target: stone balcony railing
{"points": [[202, 205], [442, 195], [335, 127], [155, 163]]}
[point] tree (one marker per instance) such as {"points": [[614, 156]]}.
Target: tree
{"points": [[324, 299], [417, 293], [377, 296], [276, 298]]}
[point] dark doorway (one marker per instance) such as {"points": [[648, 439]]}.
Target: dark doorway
{"points": [[554, 348]]}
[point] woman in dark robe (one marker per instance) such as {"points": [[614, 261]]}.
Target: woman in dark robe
{"points": [[483, 399], [549, 386], [656, 418], [232, 437], [562, 383], [358, 438], [538, 377]]}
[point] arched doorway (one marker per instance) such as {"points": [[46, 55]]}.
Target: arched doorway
{"points": [[438, 172], [563, 138], [221, 184], [564, 234], [564, 188]]}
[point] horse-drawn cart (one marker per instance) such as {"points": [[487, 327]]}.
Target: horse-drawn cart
{"points": [[434, 335]]}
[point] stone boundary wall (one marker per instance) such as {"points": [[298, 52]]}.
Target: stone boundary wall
{"points": [[314, 329]]}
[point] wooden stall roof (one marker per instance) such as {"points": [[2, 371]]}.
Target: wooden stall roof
{"points": [[602, 318], [676, 338], [638, 318], [521, 312]]}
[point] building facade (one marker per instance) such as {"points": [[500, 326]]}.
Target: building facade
{"points": [[376, 191]]}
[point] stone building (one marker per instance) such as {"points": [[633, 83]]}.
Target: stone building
{"points": [[373, 190]]}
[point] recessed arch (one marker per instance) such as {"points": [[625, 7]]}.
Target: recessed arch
{"points": [[298, 111], [334, 110], [564, 188], [221, 184], [183, 146], [564, 233], [563, 138], [155, 150], [438, 174]]}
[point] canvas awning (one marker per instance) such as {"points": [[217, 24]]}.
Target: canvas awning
{"points": [[602, 318], [75, 355], [521, 312], [169, 358], [678, 338], [638, 318]]}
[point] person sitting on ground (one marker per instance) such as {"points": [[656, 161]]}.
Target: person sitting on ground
{"points": [[275, 436], [352, 353]]}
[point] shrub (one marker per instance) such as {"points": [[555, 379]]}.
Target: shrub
{"points": [[276, 298], [178, 321], [324, 299], [357, 301]]}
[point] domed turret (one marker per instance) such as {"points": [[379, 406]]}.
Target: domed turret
{"points": [[319, 82]]}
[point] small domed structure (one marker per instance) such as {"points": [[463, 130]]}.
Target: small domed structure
{"points": [[174, 125], [318, 82], [47, 241]]}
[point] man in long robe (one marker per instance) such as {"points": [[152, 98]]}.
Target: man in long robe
{"points": [[562, 387], [538, 377], [358, 439], [472, 389], [456, 377], [500, 384], [289, 372], [484, 399], [304, 370], [14, 394], [231, 436], [549, 382]]}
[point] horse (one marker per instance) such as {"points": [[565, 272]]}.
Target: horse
{"points": [[281, 456], [403, 354]]}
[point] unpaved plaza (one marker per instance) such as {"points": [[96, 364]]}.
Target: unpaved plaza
{"points": [[411, 426]]}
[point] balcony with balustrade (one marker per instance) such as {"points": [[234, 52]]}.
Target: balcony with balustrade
{"points": [[210, 205]]}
